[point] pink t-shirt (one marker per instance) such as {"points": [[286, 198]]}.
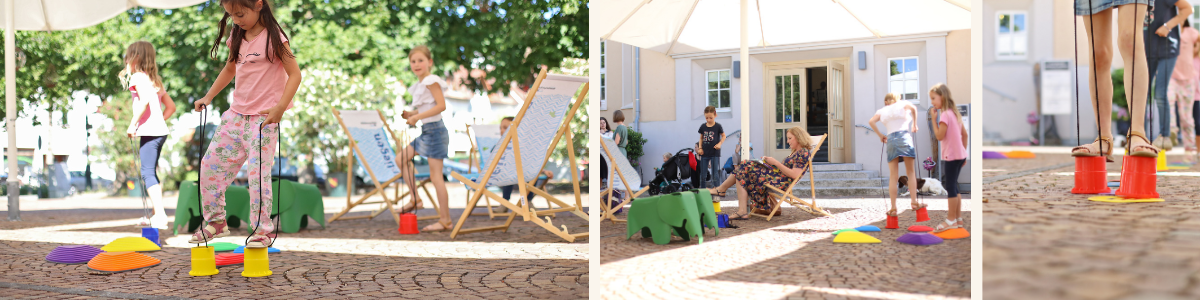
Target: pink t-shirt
{"points": [[1185, 72], [259, 83], [952, 144]]}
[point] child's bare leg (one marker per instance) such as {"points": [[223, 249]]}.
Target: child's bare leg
{"points": [[1099, 32], [1133, 54], [439, 184], [407, 173], [912, 182], [893, 168]]}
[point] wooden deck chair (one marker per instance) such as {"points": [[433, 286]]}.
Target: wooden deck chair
{"points": [[531, 138], [488, 135], [778, 197], [369, 131], [624, 175]]}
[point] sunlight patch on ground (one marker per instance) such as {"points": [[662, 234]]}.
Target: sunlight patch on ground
{"points": [[773, 242]]}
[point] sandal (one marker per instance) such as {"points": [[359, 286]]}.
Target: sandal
{"points": [[892, 213], [917, 205], [260, 241], [945, 225], [1086, 150], [445, 226], [740, 217], [1147, 150], [209, 232], [715, 193], [409, 209]]}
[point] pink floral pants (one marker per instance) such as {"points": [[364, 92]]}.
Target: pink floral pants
{"points": [[1182, 99], [236, 142]]}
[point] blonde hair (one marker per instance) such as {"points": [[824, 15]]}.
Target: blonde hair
{"points": [[890, 98], [142, 55], [947, 103], [803, 139], [422, 49]]}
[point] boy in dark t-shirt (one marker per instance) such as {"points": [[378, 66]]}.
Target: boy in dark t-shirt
{"points": [[711, 138]]}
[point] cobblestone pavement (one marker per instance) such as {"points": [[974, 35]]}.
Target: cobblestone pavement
{"points": [[349, 259], [791, 256], [1041, 242]]}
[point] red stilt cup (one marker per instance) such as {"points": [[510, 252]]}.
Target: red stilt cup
{"points": [[922, 214], [408, 224], [1091, 175], [893, 222], [1138, 178]]}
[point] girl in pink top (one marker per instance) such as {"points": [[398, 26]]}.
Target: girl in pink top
{"points": [[953, 137], [1182, 88], [267, 79]]}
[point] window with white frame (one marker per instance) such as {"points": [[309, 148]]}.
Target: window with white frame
{"points": [[717, 89], [903, 78], [603, 94], [1012, 35]]}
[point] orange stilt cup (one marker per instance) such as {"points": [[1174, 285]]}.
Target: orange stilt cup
{"points": [[1091, 175], [408, 224], [893, 222], [1138, 178]]}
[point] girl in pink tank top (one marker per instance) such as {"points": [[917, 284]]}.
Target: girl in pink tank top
{"points": [[953, 137], [267, 78]]}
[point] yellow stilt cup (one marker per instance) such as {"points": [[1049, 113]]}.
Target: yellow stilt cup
{"points": [[203, 262], [256, 263], [1162, 160]]}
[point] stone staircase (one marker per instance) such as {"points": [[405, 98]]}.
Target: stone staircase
{"points": [[842, 180]]}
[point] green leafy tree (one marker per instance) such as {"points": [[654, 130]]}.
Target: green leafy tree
{"points": [[508, 38]]}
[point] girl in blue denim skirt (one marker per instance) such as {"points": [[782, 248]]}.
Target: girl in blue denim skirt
{"points": [[898, 117], [432, 144]]}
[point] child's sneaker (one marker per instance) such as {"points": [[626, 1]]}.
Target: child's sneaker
{"points": [[159, 221], [260, 241], [143, 222], [210, 231]]}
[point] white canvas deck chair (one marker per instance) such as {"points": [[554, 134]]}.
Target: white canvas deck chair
{"points": [[777, 196], [485, 137], [369, 131], [543, 121], [621, 174]]}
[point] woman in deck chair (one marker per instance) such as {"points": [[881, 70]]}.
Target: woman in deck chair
{"points": [[753, 177]]}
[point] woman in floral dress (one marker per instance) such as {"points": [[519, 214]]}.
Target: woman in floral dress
{"points": [[753, 177]]}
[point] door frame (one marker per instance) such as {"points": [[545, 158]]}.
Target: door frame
{"points": [[847, 98]]}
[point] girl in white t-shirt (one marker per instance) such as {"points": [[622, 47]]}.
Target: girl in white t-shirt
{"points": [[898, 117], [151, 107], [434, 141]]}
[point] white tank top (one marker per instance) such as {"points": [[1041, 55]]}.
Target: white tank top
{"points": [[895, 117]]}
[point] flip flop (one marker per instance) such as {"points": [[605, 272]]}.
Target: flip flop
{"points": [[740, 217]]}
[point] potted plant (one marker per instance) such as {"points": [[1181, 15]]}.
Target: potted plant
{"points": [[634, 149], [1120, 112]]}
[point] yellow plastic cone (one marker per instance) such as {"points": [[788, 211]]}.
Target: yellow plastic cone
{"points": [[256, 263], [203, 262], [855, 237]]}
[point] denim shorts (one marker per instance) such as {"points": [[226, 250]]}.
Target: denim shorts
{"points": [[900, 144], [1089, 7], [433, 142]]}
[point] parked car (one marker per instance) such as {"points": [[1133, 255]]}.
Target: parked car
{"points": [[78, 181]]}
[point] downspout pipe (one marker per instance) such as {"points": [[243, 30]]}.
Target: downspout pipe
{"points": [[637, 91]]}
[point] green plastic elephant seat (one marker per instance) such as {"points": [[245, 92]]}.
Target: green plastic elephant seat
{"points": [[187, 209], [662, 216], [297, 201], [704, 205]]}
